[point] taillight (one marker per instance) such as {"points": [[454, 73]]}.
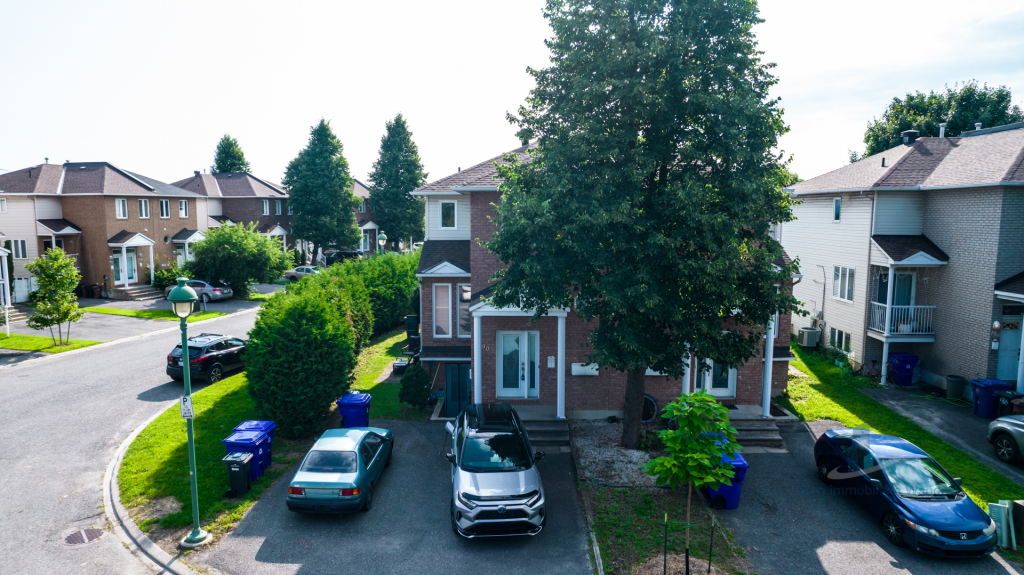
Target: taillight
{"points": [[216, 290], [170, 357], [200, 359], [296, 490], [348, 492]]}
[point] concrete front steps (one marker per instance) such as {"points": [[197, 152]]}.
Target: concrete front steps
{"points": [[141, 292], [14, 314], [547, 433], [758, 433]]}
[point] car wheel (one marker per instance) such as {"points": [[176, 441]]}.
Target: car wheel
{"points": [[293, 279], [823, 471], [206, 298], [892, 527], [368, 502], [216, 374], [1006, 448]]}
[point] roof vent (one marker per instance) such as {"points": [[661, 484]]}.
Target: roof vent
{"points": [[47, 160], [883, 161], [910, 136], [196, 172], [942, 130], [460, 168]]}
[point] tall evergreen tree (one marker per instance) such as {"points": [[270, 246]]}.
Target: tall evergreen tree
{"points": [[320, 192], [396, 173], [229, 157], [648, 200]]}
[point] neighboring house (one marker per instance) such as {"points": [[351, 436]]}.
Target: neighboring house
{"points": [[116, 224], [918, 249], [364, 218], [478, 352]]}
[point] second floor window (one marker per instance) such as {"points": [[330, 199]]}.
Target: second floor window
{"points": [[465, 319], [266, 207], [20, 253], [362, 206], [837, 209], [121, 205], [842, 283], [3, 205], [277, 207], [165, 208], [291, 212], [182, 208], [442, 310], [144, 209], [448, 213]]}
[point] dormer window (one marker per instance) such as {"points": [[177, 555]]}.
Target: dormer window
{"points": [[448, 214]]}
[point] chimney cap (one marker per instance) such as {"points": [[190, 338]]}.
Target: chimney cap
{"points": [[977, 125], [197, 173], [909, 136]]}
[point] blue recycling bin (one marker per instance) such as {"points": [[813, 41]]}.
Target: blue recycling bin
{"points": [[267, 427], [255, 442], [730, 494], [355, 409], [902, 367], [986, 403]]}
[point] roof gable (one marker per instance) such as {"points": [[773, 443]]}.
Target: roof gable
{"points": [[39, 179], [482, 175]]}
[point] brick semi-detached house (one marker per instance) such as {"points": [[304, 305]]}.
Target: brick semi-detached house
{"points": [[919, 249], [477, 352]]}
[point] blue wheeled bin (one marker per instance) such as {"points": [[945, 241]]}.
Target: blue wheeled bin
{"points": [[902, 367], [355, 409], [986, 404], [728, 496], [267, 427], [255, 442]]}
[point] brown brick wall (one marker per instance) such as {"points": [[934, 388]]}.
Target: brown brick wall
{"points": [[484, 263], [249, 210], [427, 313]]}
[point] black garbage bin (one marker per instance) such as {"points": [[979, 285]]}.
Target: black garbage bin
{"points": [[239, 479], [1004, 402]]}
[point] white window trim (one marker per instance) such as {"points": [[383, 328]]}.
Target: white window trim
{"points": [[707, 375], [498, 367], [458, 309], [433, 303], [165, 204], [182, 209], [143, 203], [3, 205], [23, 250], [840, 202], [440, 214], [277, 207], [266, 207], [843, 342], [837, 289], [118, 213]]}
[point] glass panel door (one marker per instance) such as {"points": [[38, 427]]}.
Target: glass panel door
{"points": [[117, 267], [131, 264], [511, 376], [719, 381], [903, 289], [533, 353]]}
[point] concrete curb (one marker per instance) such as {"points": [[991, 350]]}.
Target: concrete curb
{"points": [[149, 553], [123, 340]]}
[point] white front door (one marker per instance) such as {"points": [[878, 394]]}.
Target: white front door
{"points": [[518, 369], [717, 380], [130, 267], [1009, 348]]}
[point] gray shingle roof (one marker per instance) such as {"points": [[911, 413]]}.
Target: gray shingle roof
{"points": [[1012, 284], [900, 248], [988, 158], [232, 185], [183, 235], [436, 251], [58, 224], [484, 174], [41, 179]]}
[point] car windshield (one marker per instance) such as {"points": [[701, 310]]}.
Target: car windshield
{"points": [[498, 452], [918, 477], [192, 351], [330, 462]]}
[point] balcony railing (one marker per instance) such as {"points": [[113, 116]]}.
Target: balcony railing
{"points": [[906, 319]]}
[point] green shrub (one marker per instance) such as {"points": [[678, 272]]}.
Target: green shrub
{"points": [[239, 256], [391, 281], [300, 358], [347, 294], [168, 276], [415, 387]]}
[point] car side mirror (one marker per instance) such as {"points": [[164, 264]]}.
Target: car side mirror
{"points": [[538, 456], [876, 484], [450, 456], [449, 427], [959, 482]]}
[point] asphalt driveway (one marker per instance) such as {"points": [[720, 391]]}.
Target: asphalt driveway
{"points": [[407, 531], [791, 524]]}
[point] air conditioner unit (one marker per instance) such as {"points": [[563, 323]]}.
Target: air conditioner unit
{"points": [[808, 337]]}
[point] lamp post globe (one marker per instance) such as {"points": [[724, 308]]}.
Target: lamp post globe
{"points": [[382, 239], [182, 299]]}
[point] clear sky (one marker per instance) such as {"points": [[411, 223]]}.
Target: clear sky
{"points": [[152, 86]]}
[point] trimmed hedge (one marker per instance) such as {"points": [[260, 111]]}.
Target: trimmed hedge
{"points": [[391, 281], [347, 294]]}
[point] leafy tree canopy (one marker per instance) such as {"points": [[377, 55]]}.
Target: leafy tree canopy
{"points": [[229, 157], [320, 192], [56, 304], [959, 107], [648, 200], [239, 256], [396, 173]]}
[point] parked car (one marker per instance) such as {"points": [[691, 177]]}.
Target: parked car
{"points": [[1006, 435], [918, 503], [340, 471], [339, 256], [300, 272], [496, 487], [207, 291], [210, 355]]}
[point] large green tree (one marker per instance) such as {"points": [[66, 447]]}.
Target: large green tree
{"points": [[396, 173], [648, 200], [320, 192], [238, 256], [57, 277], [229, 157], [959, 107]]}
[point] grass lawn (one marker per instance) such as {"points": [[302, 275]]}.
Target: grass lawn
{"points": [[41, 343], [374, 359], [630, 527], [830, 392], [156, 464], [154, 313]]}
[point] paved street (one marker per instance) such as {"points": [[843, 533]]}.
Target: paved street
{"points": [[62, 420], [790, 524], [407, 531]]}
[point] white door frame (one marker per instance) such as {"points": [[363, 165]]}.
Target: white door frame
{"points": [[706, 377], [525, 353], [1012, 359]]}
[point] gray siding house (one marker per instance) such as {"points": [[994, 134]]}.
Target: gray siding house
{"points": [[918, 249]]}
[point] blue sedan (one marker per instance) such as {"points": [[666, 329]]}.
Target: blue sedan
{"points": [[917, 502], [340, 471]]}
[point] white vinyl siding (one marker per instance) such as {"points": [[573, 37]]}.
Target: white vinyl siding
{"points": [[899, 213], [843, 282], [442, 310], [817, 241], [47, 209], [182, 208], [20, 222], [434, 231], [121, 208], [165, 209], [214, 207], [143, 209]]}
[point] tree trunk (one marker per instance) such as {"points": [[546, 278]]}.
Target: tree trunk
{"points": [[315, 262], [633, 411]]}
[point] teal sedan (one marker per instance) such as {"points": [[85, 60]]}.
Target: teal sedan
{"points": [[340, 471]]}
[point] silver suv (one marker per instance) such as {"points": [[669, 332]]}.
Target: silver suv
{"points": [[496, 488]]}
